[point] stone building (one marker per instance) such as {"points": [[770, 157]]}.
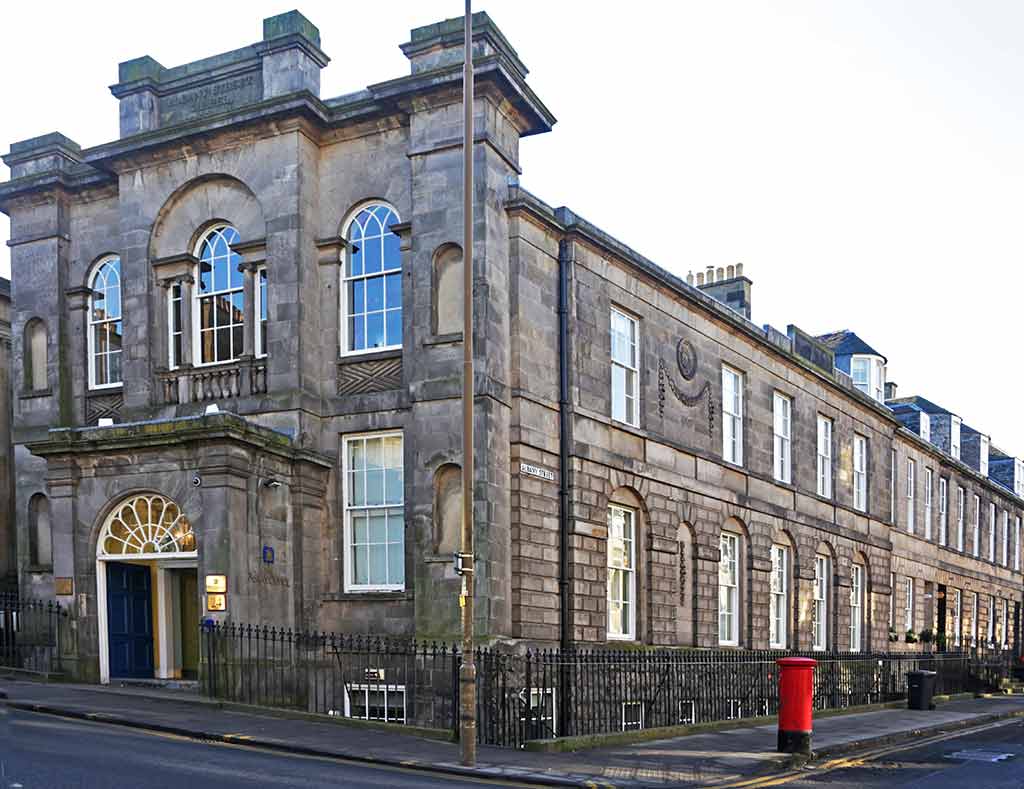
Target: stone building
{"points": [[237, 362], [8, 565]]}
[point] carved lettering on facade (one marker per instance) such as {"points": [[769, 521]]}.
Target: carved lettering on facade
{"points": [[267, 577], [210, 99]]}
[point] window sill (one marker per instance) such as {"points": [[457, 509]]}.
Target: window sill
{"points": [[97, 390], [370, 356], [443, 339], [369, 596]]}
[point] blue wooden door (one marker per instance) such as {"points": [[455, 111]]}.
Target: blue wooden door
{"points": [[130, 620]]}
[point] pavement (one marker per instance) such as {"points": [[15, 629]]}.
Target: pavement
{"points": [[716, 758]]}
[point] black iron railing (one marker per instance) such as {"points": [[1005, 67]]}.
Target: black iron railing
{"points": [[541, 694], [30, 634]]}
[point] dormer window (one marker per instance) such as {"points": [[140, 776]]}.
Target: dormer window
{"points": [[954, 437], [926, 426], [1018, 477], [868, 373], [983, 457]]}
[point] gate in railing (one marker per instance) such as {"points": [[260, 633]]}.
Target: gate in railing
{"points": [[30, 633]]}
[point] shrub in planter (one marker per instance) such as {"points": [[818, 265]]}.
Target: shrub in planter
{"points": [[893, 635], [911, 637], [926, 636]]}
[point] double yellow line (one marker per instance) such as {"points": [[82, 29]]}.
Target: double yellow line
{"points": [[858, 760]]}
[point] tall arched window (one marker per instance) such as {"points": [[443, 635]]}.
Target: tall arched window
{"points": [[219, 309], [371, 291], [34, 349], [105, 326], [40, 541]]}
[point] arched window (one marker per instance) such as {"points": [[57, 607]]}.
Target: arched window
{"points": [[371, 290], [448, 290], [34, 348], [105, 326], [39, 534], [447, 509], [219, 309], [146, 525], [622, 528]]}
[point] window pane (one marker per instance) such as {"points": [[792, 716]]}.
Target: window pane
{"points": [[396, 563], [378, 563], [372, 251], [375, 294], [375, 487], [360, 527], [360, 564], [375, 330], [394, 327]]}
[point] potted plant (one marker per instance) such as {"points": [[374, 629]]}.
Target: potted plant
{"points": [[911, 637], [893, 635]]}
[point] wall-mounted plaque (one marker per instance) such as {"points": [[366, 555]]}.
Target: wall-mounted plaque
{"points": [[64, 586], [217, 583], [216, 602]]}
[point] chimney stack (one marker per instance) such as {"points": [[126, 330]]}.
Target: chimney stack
{"points": [[729, 286], [890, 390]]}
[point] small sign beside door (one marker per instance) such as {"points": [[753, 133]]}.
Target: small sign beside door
{"points": [[216, 602]]}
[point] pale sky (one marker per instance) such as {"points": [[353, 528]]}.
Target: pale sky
{"points": [[862, 159]]}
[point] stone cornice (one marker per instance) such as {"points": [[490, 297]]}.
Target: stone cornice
{"points": [[159, 434]]}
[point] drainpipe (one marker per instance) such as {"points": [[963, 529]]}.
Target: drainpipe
{"points": [[564, 263]]}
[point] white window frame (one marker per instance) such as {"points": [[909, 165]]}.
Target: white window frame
{"points": [[961, 504], [824, 456], [346, 278], [908, 605], [860, 473], [957, 616], [729, 590], [1004, 621], [929, 483], [366, 688], [954, 436], [628, 570], [819, 608], [983, 456], [1004, 554], [1016, 543], [782, 429], [640, 706], [778, 615], [992, 532], [1018, 478], [856, 607], [350, 585], [977, 525], [261, 287], [732, 416], [874, 367], [943, 511], [925, 426], [975, 617], [92, 323], [911, 493], [892, 487], [991, 624], [198, 297], [620, 412], [173, 362]]}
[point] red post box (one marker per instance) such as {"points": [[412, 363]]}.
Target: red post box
{"points": [[796, 697]]}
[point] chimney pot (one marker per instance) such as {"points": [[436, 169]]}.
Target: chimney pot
{"points": [[700, 279], [689, 278], [739, 269], [730, 271], [710, 278], [720, 274]]}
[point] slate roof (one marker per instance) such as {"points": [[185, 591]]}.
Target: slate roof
{"points": [[916, 403], [845, 343]]}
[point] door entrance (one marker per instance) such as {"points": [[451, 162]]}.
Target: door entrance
{"points": [[130, 620], [944, 642], [188, 624]]}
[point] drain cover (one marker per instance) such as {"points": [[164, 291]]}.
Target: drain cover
{"points": [[980, 756]]}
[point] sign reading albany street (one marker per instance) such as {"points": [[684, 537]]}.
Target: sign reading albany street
{"points": [[537, 471], [210, 99]]}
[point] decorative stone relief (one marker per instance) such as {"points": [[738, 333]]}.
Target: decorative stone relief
{"points": [[103, 406], [364, 377], [686, 360]]}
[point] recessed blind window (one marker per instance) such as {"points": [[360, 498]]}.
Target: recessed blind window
{"points": [[819, 612], [728, 590], [374, 512], [732, 416], [778, 629], [621, 572], [782, 408], [860, 473], [625, 335], [824, 457]]}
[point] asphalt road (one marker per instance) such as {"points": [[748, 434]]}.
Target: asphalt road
{"points": [[967, 761], [46, 752]]}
